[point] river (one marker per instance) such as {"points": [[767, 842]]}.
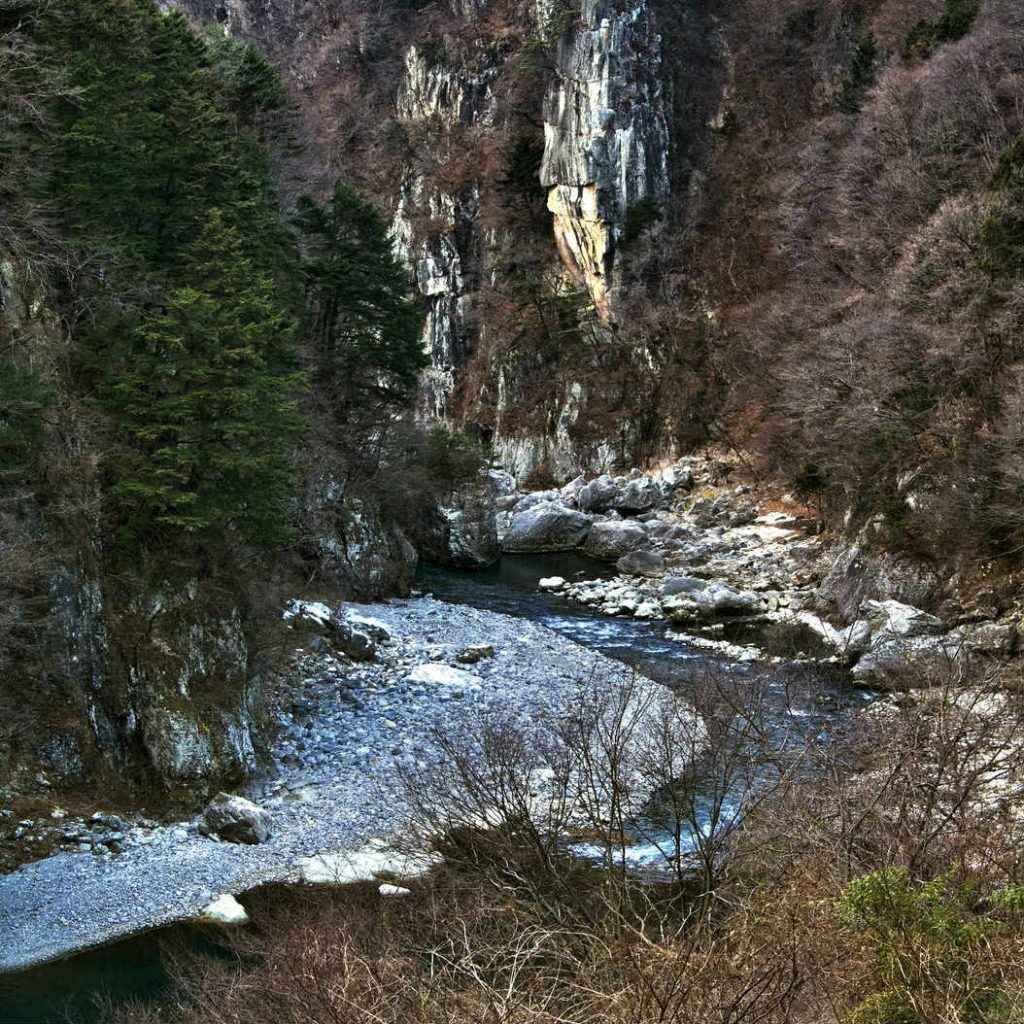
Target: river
{"points": [[133, 968]]}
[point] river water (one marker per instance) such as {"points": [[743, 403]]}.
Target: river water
{"points": [[813, 693]]}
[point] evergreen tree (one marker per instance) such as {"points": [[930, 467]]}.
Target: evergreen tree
{"points": [[158, 129], [363, 327], [139, 142], [203, 400], [1002, 227], [22, 402]]}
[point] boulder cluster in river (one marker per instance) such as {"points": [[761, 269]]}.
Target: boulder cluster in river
{"points": [[701, 553]]}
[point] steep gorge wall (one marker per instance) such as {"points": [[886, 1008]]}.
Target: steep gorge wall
{"points": [[606, 140], [642, 225], [141, 679], [522, 140]]}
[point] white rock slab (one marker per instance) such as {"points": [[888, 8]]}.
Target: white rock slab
{"points": [[551, 583], [377, 628], [315, 611], [363, 865], [225, 909], [443, 675]]}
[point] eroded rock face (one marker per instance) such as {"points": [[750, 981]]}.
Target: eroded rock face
{"points": [[472, 527], [449, 106], [463, 531], [190, 699], [606, 137], [860, 574], [354, 545]]}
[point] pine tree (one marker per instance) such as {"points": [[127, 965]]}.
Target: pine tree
{"points": [[1002, 227], [363, 326], [139, 142], [204, 402]]}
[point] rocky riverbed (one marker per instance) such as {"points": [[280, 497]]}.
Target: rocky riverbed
{"points": [[349, 730], [698, 559], [709, 555]]}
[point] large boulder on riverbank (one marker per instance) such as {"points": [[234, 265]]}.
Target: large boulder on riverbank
{"points": [[900, 620], [861, 574], [546, 527], [909, 662], [907, 648], [641, 494], [235, 820], [641, 563], [614, 538], [599, 495]]}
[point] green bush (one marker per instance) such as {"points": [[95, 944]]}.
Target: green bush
{"points": [[451, 459], [953, 24], [932, 945]]}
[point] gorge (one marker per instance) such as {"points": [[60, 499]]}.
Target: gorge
{"points": [[690, 331]]}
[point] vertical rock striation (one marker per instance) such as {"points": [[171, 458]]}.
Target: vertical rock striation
{"points": [[606, 137], [472, 83]]}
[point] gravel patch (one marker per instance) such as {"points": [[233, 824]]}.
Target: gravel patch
{"points": [[347, 732]]}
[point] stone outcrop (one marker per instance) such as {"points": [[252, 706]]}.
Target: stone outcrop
{"points": [[460, 111], [860, 574], [606, 137], [463, 530], [235, 820], [614, 538], [471, 527]]}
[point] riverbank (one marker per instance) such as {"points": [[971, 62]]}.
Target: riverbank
{"points": [[718, 556], [348, 732]]}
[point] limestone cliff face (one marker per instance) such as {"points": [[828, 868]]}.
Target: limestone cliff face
{"points": [[606, 140], [605, 149], [468, 88]]}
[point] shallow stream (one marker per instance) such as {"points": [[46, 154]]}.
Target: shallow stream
{"points": [[819, 693]]}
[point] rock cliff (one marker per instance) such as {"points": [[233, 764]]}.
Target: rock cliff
{"points": [[528, 146], [606, 140]]}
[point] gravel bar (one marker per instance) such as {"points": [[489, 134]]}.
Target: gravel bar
{"points": [[347, 731]]}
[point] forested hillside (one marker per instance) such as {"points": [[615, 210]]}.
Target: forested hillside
{"points": [[550, 472], [173, 335], [261, 260], [787, 227]]}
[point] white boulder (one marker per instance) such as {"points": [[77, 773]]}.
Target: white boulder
{"points": [[898, 619], [443, 675], [364, 864], [235, 820], [225, 909]]}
